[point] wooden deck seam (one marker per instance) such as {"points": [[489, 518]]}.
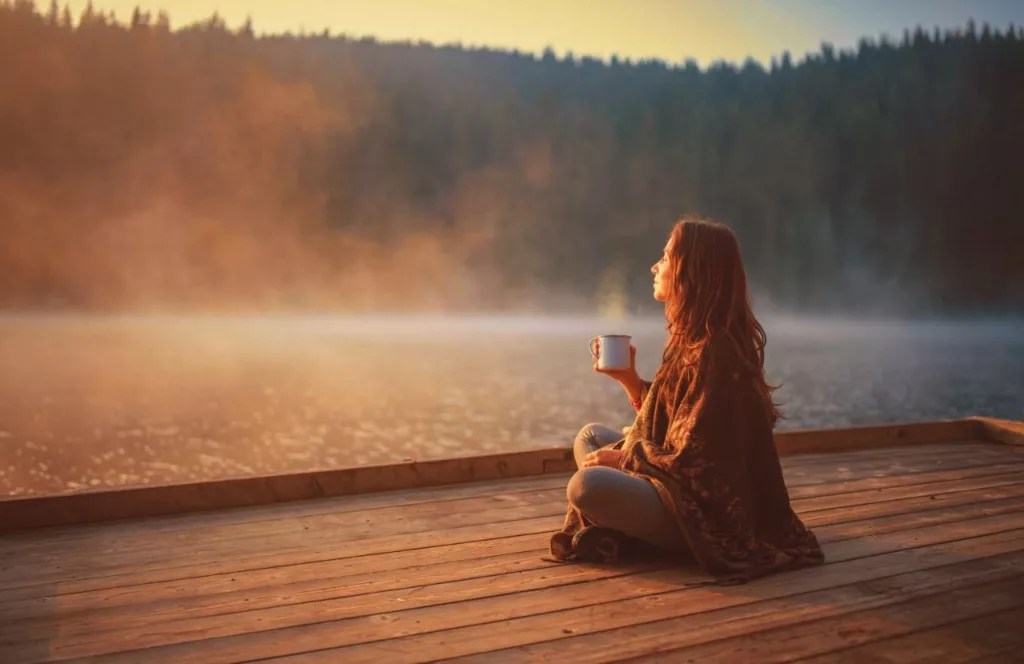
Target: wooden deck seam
{"points": [[999, 657], [896, 637], [340, 612], [1016, 468], [546, 528], [541, 550], [892, 500], [540, 531], [846, 615], [941, 508], [406, 549], [893, 553], [558, 510], [697, 584], [558, 507], [1018, 554], [526, 554], [678, 589]]}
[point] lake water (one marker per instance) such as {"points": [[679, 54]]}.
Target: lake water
{"points": [[88, 402]]}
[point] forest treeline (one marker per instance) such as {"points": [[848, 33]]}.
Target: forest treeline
{"points": [[208, 168]]}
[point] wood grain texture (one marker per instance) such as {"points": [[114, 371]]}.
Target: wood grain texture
{"points": [[992, 636], [671, 629], [337, 537], [921, 541], [466, 625], [1008, 432], [897, 618], [441, 607], [61, 589], [143, 607]]}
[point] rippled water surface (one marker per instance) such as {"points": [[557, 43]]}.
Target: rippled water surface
{"points": [[111, 401]]}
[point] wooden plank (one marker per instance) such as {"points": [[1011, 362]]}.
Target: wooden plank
{"points": [[337, 542], [284, 511], [903, 617], [264, 589], [286, 567], [122, 537], [988, 636], [349, 536], [137, 610], [84, 644], [955, 447], [865, 464], [164, 584], [226, 593], [807, 505], [881, 518], [261, 588], [384, 520], [861, 438], [134, 502], [386, 547], [807, 487], [450, 605], [615, 635], [436, 630], [1006, 657], [233, 561], [1008, 432]]}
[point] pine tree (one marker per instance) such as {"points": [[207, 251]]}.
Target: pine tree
{"points": [[88, 17]]}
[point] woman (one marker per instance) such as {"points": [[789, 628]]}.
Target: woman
{"points": [[697, 474]]}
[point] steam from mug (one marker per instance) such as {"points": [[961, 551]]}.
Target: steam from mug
{"points": [[611, 351]]}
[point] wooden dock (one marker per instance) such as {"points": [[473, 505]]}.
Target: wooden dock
{"points": [[922, 526]]}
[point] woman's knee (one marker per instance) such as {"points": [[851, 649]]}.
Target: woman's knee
{"points": [[586, 441], [588, 488], [594, 436], [588, 434]]}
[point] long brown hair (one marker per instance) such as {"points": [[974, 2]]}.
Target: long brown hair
{"points": [[708, 301]]}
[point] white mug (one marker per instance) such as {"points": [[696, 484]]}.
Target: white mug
{"points": [[612, 352]]}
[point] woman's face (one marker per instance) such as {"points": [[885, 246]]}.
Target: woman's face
{"points": [[662, 274]]}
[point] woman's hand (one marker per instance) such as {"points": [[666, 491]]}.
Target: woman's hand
{"points": [[604, 457], [628, 378], [624, 376]]}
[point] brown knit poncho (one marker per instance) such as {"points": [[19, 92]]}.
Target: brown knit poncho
{"points": [[704, 441]]}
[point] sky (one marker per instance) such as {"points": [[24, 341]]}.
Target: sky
{"points": [[670, 30]]}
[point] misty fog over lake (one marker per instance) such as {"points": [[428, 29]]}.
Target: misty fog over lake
{"points": [[99, 401]]}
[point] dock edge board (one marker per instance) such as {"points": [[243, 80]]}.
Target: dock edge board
{"points": [[132, 502]]}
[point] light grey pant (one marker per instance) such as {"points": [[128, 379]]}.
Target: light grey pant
{"points": [[611, 498]]}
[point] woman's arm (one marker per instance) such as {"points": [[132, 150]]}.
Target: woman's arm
{"points": [[707, 411], [636, 388]]}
